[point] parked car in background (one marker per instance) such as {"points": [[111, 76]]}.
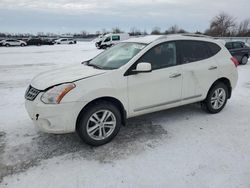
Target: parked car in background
{"points": [[111, 39], [239, 50], [13, 42], [39, 41], [132, 78], [65, 41]]}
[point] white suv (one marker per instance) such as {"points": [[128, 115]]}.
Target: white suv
{"points": [[65, 41], [135, 77], [13, 42]]}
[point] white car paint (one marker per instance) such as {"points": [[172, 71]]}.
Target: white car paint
{"points": [[62, 75], [139, 94]]}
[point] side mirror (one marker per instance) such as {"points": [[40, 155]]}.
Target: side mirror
{"points": [[143, 67]]}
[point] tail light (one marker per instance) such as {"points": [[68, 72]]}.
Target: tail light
{"points": [[235, 61]]}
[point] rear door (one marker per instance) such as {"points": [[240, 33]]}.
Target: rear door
{"points": [[238, 50], [17, 42], [199, 69]]}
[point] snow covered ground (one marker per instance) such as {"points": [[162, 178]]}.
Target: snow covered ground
{"points": [[181, 147]]}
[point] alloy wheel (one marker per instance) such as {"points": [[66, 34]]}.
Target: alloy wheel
{"points": [[101, 124], [218, 98]]}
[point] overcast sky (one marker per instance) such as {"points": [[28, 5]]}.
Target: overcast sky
{"points": [[61, 16]]}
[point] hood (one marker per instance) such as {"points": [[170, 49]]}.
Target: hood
{"points": [[62, 75]]}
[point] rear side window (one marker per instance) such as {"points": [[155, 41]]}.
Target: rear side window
{"points": [[116, 37], [192, 51], [214, 48], [237, 45]]}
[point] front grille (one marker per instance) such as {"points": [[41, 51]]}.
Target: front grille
{"points": [[31, 93]]}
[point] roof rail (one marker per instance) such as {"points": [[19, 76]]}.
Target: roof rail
{"points": [[184, 34], [195, 35]]}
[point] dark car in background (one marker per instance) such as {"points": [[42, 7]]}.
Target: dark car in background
{"points": [[239, 50], [39, 42]]}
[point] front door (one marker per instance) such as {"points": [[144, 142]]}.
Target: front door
{"points": [[159, 89]]}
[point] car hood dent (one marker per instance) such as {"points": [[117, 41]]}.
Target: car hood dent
{"points": [[63, 75]]}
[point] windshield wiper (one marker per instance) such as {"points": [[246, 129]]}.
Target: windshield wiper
{"points": [[95, 66]]}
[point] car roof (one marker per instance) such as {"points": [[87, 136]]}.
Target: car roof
{"points": [[145, 39], [152, 38]]}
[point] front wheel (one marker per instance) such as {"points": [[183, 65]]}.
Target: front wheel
{"points": [[216, 98], [99, 124]]}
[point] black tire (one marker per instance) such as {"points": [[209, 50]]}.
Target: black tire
{"points": [[244, 60], [82, 124], [103, 47], [207, 103], [7, 45], [22, 45]]}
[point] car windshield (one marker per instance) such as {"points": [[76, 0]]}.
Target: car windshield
{"points": [[116, 56]]}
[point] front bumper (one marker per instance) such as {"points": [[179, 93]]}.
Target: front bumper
{"points": [[54, 118]]}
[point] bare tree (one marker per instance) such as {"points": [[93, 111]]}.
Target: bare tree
{"points": [[116, 30], [135, 32], [104, 31], [84, 33], [156, 31], [244, 28], [222, 25], [174, 29]]}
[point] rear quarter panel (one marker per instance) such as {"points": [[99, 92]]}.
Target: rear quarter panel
{"points": [[227, 68]]}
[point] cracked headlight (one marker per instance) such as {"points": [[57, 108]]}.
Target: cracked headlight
{"points": [[55, 94]]}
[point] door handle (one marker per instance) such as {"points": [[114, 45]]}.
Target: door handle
{"points": [[175, 75], [212, 68]]}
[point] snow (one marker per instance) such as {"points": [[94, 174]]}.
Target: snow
{"points": [[181, 147]]}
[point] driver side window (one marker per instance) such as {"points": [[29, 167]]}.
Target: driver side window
{"points": [[107, 39], [161, 56]]}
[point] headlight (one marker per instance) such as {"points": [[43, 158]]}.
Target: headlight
{"points": [[56, 93]]}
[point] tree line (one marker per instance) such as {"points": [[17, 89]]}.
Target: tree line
{"points": [[221, 25]]}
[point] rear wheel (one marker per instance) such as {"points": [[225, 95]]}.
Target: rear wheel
{"points": [[99, 124], [244, 60], [7, 45], [22, 45], [216, 98]]}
